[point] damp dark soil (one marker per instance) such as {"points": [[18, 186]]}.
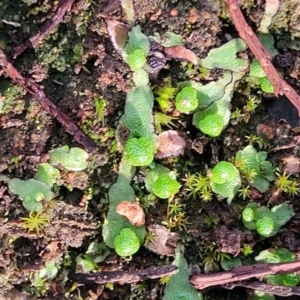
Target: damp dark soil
{"points": [[77, 67]]}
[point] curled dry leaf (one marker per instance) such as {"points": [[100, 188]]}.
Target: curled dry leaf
{"points": [[118, 33], [181, 53], [291, 165], [131, 211], [170, 144]]}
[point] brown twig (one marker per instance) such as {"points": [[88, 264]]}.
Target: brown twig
{"points": [[283, 291], [203, 281], [62, 8], [38, 93], [281, 87], [126, 276]]}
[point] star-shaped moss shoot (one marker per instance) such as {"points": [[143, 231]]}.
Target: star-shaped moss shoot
{"points": [[140, 151], [186, 100], [127, 242]]}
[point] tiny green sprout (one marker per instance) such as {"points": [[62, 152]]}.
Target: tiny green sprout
{"points": [[86, 262], [36, 222], [165, 186], [48, 174], [206, 195], [164, 97], [176, 221], [162, 119], [136, 59], [100, 105], [251, 105], [77, 53], [164, 280], [250, 174], [46, 274], [282, 181], [174, 207], [240, 163], [198, 184], [247, 250], [149, 237], [237, 115], [140, 152], [126, 243], [287, 185], [245, 192], [293, 189], [253, 139], [186, 100]]}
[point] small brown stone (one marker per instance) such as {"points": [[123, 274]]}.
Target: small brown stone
{"points": [[193, 16], [173, 12]]}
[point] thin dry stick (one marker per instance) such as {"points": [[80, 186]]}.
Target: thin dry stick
{"points": [[38, 93], [35, 40], [283, 291], [127, 276], [281, 87], [203, 281]]}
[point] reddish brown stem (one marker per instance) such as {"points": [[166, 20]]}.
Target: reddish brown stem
{"points": [[281, 87], [35, 40], [38, 93], [203, 281]]}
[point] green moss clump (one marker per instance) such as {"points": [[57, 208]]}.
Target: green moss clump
{"points": [[140, 152], [267, 222], [136, 59], [165, 186], [223, 172], [126, 243], [225, 180], [186, 100], [161, 182], [258, 171]]}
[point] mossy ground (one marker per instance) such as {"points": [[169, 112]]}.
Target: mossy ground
{"points": [[74, 82]]}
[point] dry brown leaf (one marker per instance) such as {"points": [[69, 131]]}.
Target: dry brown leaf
{"points": [[131, 211], [162, 242], [181, 53], [265, 131], [170, 144], [291, 165]]}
